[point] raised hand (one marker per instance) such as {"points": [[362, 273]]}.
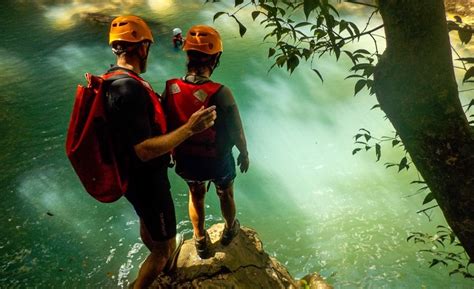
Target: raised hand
{"points": [[202, 119]]}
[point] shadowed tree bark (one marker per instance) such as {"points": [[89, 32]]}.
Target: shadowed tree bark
{"points": [[416, 88]]}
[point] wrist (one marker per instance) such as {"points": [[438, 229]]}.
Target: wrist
{"points": [[188, 131]]}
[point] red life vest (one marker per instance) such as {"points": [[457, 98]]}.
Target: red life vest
{"points": [[89, 144], [182, 100]]}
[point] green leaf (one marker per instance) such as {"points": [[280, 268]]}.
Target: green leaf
{"points": [[238, 2], [429, 197], [434, 262], [355, 151], [255, 14], [309, 6], [402, 164], [354, 76], [465, 34], [367, 136], [281, 60], [361, 66], [375, 106], [359, 85], [337, 51], [242, 28], [355, 28], [271, 52], [378, 152], [218, 14], [467, 59], [333, 9], [369, 70], [343, 26], [292, 62], [319, 21], [302, 24], [395, 142], [469, 74], [319, 74], [471, 103], [351, 56], [361, 51]]}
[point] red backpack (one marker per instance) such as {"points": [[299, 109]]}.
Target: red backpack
{"points": [[89, 144]]}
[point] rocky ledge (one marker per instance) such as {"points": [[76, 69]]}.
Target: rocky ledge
{"points": [[243, 265]]}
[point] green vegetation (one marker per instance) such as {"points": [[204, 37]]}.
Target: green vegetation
{"points": [[414, 83]]}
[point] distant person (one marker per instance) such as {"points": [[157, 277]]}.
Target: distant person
{"points": [[141, 139], [177, 38], [206, 156]]}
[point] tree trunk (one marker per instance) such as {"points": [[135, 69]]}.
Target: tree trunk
{"points": [[416, 88]]}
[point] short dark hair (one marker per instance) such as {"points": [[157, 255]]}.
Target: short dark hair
{"points": [[121, 47], [198, 61]]}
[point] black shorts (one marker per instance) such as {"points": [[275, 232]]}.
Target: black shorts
{"points": [[152, 200], [220, 170]]}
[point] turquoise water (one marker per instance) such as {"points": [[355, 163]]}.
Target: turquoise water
{"points": [[315, 206]]}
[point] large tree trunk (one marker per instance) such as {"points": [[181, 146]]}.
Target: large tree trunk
{"points": [[416, 88]]}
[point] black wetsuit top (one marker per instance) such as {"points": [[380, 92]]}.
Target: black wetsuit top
{"points": [[131, 117]]}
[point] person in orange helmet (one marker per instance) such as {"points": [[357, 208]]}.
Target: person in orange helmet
{"points": [[140, 135], [207, 156]]}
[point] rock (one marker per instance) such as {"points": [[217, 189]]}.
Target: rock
{"points": [[314, 281], [105, 19], [243, 265], [96, 17]]}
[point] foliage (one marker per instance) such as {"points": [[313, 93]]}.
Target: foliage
{"points": [[321, 32], [445, 249]]}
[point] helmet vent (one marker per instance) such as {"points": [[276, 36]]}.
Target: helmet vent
{"points": [[119, 24]]}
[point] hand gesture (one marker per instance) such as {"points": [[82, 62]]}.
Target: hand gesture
{"points": [[202, 119], [244, 162]]}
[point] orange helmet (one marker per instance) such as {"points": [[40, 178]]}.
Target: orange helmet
{"points": [[204, 39], [130, 29]]}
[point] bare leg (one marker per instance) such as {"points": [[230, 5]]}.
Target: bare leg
{"points": [[145, 235], [226, 197], [197, 193], [154, 263]]}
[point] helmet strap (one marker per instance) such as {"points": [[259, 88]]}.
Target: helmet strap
{"points": [[216, 62]]}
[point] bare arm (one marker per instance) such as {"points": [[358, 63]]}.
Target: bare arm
{"points": [[159, 145]]}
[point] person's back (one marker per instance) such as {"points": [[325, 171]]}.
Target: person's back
{"points": [[206, 156]]}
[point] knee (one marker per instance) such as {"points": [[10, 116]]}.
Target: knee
{"points": [[227, 193], [198, 192], [163, 249]]}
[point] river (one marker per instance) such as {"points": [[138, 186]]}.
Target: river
{"points": [[316, 207]]}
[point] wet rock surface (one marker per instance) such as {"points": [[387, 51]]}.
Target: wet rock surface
{"points": [[242, 264]]}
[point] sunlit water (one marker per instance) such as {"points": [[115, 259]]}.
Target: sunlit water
{"points": [[316, 207]]}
